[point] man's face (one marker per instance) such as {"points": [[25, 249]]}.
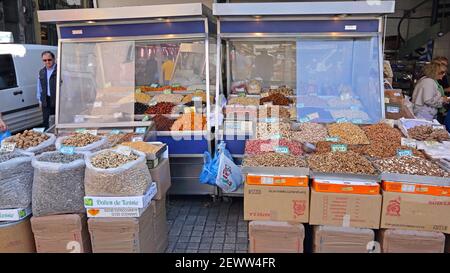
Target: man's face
{"points": [[48, 60]]}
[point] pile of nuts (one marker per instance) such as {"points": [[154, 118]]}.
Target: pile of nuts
{"points": [[427, 133], [160, 108], [310, 132], [274, 160], [110, 159], [339, 162], [283, 90], [267, 130], [80, 140], [60, 158], [382, 132], [348, 133], [323, 147], [243, 101], [113, 140], [199, 94], [410, 165], [273, 111], [143, 147], [255, 147], [163, 123], [27, 139], [189, 122], [173, 98], [276, 99]]}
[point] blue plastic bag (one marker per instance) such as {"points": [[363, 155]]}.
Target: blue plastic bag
{"points": [[211, 166], [4, 135]]}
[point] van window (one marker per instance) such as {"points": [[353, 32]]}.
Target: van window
{"points": [[7, 72]]}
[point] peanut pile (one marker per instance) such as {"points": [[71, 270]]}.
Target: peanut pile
{"points": [[110, 159], [80, 140], [427, 133], [274, 160], [341, 162], [28, 139], [410, 165], [348, 133]]}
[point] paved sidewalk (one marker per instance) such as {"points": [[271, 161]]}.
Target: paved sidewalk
{"points": [[199, 225]]}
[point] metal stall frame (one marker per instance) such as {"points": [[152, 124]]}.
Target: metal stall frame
{"points": [[336, 12], [76, 23]]}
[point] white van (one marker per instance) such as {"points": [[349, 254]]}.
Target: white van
{"points": [[19, 69]]}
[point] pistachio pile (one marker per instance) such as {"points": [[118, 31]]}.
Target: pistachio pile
{"points": [[28, 139], [80, 140], [410, 165], [110, 159]]}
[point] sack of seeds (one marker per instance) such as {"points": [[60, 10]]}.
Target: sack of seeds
{"points": [[58, 185], [16, 178], [117, 172], [82, 142]]}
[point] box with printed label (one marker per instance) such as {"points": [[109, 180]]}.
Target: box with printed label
{"points": [[415, 212], [276, 203], [16, 237], [14, 214], [345, 209], [114, 212], [121, 202]]}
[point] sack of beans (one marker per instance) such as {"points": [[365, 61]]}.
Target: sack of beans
{"points": [[83, 142], [33, 141], [58, 186], [117, 172], [16, 178]]}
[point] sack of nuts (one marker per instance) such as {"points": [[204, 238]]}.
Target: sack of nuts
{"points": [[33, 142], [58, 185], [82, 142], [16, 178], [112, 173]]}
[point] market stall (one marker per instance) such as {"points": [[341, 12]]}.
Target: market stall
{"points": [[140, 69], [289, 64]]}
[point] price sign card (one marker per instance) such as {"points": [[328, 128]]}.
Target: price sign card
{"points": [[39, 130], [332, 139], [341, 120], [68, 150], [401, 153], [123, 150], [7, 147], [339, 148], [115, 132], [140, 130], [282, 149]]}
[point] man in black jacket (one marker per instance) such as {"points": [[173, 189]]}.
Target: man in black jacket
{"points": [[46, 86]]}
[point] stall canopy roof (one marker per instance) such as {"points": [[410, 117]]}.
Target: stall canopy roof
{"points": [[124, 13], [304, 8]]}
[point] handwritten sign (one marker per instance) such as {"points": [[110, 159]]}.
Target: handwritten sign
{"points": [[401, 153], [68, 150], [140, 130], [7, 147]]}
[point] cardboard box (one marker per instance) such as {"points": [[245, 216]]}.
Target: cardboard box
{"points": [[121, 202], [346, 187], [146, 234], [276, 237], [447, 243], [328, 239], [345, 210], [276, 203], [416, 188], [65, 233], [16, 237], [114, 212], [14, 214], [411, 241], [280, 180], [161, 176], [415, 212]]}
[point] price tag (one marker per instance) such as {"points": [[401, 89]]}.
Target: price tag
{"points": [[300, 105], [146, 118], [240, 90], [78, 119], [393, 109], [339, 148], [242, 94], [438, 126], [357, 121], [39, 130], [154, 85], [332, 139], [263, 95], [401, 153], [167, 92], [98, 104], [271, 120], [313, 116], [123, 150], [92, 132], [232, 125], [80, 131], [197, 99], [137, 91], [305, 119], [431, 143], [68, 150], [115, 132], [137, 139], [152, 103], [118, 115], [386, 100], [341, 120], [409, 142], [176, 85], [7, 147], [397, 94], [141, 130], [274, 87], [282, 149]]}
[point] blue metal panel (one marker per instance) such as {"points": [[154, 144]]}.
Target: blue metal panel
{"points": [[184, 146], [306, 26], [141, 29], [235, 145]]}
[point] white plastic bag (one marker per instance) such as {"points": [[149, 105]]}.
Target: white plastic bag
{"points": [[58, 188], [229, 177], [93, 147], [16, 179], [130, 179]]}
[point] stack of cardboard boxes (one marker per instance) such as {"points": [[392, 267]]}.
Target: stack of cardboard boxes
{"points": [[16, 235]]}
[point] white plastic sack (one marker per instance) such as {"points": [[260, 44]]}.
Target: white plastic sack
{"points": [[16, 179], [93, 147], [229, 177], [43, 147], [130, 179], [58, 188]]}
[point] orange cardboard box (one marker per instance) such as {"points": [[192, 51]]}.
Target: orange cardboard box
{"points": [[416, 188], [371, 188], [268, 180]]}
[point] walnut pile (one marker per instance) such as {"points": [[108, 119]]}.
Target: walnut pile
{"points": [[27, 139]]}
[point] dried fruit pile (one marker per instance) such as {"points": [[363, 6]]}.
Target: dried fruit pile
{"points": [[273, 111], [243, 101], [163, 123], [283, 90], [276, 99], [160, 108], [143, 147]]}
